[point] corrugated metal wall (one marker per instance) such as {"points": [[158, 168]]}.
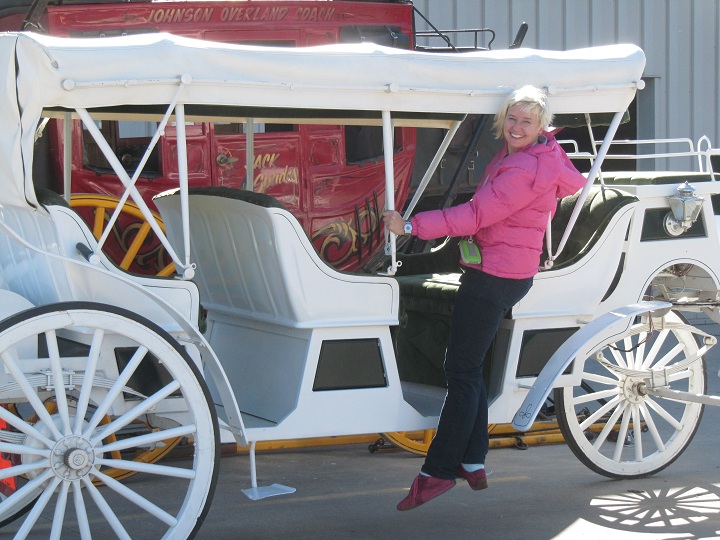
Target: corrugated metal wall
{"points": [[681, 39]]}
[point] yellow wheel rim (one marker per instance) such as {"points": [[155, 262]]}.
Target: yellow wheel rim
{"points": [[104, 203]]}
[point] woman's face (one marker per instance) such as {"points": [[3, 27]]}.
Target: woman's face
{"points": [[520, 129]]}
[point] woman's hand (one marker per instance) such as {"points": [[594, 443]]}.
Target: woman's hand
{"points": [[394, 222]]}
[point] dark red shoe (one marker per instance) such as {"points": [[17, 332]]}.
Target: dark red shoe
{"points": [[423, 489], [476, 480]]}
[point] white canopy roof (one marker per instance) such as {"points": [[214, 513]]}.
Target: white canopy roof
{"points": [[223, 81]]}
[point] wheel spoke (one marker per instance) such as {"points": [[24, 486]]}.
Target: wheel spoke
{"points": [[135, 246], [163, 470], [59, 515], [21, 496], [640, 351], [136, 499], [670, 419], [81, 511], [21, 425], [622, 434], [628, 347], [619, 356], [652, 428], [596, 396], [658, 342], [90, 369], [56, 369], [600, 379], [30, 394], [99, 222], [590, 420], [104, 507], [667, 358], [637, 433], [11, 448], [37, 508], [149, 438], [19, 470], [607, 428], [115, 391], [135, 412]]}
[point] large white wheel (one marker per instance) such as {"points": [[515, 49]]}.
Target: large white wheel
{"points": [[611, 424], [113, 363]]}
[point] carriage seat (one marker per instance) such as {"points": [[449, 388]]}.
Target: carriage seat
{"points": [[278, 317], [429, 282], [254, 260], [655, 177]]}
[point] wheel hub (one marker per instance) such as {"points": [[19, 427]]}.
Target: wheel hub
{"points": [[632, 390], [72, 457]]}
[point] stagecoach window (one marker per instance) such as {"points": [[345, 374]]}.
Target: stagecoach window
{"points": [[128, 140], [234, 128], [365, 143]]}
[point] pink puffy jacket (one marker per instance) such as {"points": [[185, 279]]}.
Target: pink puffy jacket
{"points": [[508, 214]]}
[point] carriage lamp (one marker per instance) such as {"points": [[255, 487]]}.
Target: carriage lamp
{"points": [[685, 208]]}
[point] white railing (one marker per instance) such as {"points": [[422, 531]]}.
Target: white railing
{"points": [[702, 150]]}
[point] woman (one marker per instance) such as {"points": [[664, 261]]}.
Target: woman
{"points": [[506, 219]]}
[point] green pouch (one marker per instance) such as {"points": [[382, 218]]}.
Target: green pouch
{"points": [[470, 251]]}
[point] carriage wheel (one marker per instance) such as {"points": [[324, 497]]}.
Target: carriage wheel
{"points": [[416, 442], [130, 241], [74, 348], [150, 454], [639, 435]]}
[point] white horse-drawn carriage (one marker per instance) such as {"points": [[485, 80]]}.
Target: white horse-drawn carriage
{"points": [[100, 365]]}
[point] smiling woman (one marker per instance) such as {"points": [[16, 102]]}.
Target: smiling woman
{"points": [[524, 121], [506, 219]]}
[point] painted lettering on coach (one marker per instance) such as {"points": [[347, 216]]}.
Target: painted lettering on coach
{"points": [[239, 14], [271, 173]]}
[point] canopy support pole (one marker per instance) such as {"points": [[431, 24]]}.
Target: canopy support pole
{"points": [[432, 167], [250, 154], [181, 142], [67, 155], [390, 244], [594, 170]]}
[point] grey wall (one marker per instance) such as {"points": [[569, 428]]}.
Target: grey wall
{"points": [[680, 38]]}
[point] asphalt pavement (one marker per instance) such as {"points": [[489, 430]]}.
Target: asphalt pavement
{"points": [[540, 493]]}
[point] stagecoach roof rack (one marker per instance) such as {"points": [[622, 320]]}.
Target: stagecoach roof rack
{"points": [[445, 36]]}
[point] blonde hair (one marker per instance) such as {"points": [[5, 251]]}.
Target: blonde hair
{"points": [[531, 100]]}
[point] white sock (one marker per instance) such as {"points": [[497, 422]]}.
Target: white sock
{"points": [[472, 467]]}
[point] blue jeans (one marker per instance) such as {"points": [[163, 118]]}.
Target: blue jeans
{"points": [[462, 436]]}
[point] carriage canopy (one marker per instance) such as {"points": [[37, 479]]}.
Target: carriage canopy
{"points": [[138, 76]]}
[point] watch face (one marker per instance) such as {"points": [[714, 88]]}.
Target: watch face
{"points": [[408, 227]]}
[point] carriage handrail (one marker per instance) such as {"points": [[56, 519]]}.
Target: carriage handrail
{"points": [[694, 150]]}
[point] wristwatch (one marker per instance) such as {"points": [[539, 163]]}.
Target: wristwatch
{"points": [[407, 229]]}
